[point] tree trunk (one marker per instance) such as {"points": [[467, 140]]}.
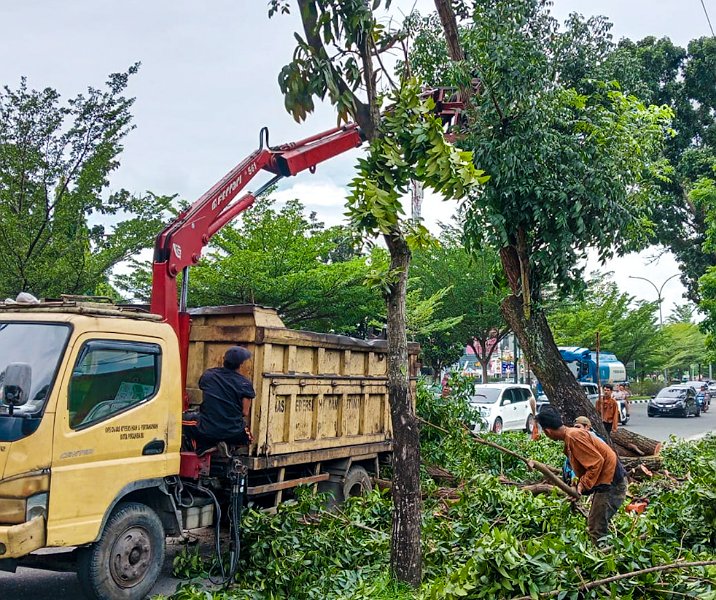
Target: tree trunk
{"points": [[483, 364], [538, 344], [629, 439], [449, 23], [653, 463], [405, 555]]}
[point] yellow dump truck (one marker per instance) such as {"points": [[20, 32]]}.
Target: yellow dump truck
{"points": [[92, 399], [90, 430]]}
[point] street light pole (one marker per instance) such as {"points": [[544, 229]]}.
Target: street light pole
{"points": [[659, 299]]}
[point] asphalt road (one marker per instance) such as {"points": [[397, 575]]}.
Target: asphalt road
{"points": [[660, 428], [34, 584]]}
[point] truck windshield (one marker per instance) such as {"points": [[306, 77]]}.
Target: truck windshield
{"points": [[37, 348]]}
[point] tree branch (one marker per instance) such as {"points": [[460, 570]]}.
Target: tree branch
{"points": [[309, 19], [449, 23], [598, 582]]}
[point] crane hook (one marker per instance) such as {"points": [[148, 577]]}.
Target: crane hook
{"points": [[263, 138]]}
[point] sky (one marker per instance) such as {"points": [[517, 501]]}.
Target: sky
{"points": [[208, 83]]}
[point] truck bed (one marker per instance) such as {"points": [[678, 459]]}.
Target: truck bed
{"points": [[314, 391]]}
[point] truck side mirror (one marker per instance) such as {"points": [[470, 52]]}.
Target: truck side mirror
{"points": [[16, 384]]}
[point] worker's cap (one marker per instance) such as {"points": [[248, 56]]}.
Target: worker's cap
{"points": [[235, 356], [582, 421], [608, 386]]}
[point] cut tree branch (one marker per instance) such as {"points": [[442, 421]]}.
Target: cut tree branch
{"points": [[598, 582]]}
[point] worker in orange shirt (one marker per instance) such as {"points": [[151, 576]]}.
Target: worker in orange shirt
{"points": [[608, 408], [597, 466]]}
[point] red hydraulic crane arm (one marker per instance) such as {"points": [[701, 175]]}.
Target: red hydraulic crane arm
{"points": [[180, 245]]}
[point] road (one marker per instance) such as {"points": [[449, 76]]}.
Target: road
{"points": [[34, 584], [42, 585], [660, 428]]}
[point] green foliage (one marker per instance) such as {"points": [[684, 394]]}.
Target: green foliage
{"points": [[571, 168], [658, 71], [287, 259], [334, 57], [489, 540], [627, 327], [473, 292], [411, 146], [683, 346], [55, 163], [421, 313], [646, 387]]}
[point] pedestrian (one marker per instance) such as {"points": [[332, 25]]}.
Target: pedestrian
{"points": [[608, 408], [225, 412], [598, 468]]}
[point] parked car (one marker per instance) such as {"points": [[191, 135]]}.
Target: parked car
{"points": [[503, 406], [592, 392], [675, 400]]}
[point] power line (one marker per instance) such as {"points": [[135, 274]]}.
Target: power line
{"points": [[707, 18]]}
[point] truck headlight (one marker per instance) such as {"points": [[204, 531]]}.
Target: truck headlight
{"points": [[36, 506], [12, 511]]}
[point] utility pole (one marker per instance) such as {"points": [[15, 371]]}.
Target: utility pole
{"points": [[659, 299]]}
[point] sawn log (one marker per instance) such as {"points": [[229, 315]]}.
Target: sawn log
{"points": [[630, 440]]}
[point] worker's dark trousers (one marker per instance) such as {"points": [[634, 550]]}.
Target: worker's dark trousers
{"points": [[604, 506]]}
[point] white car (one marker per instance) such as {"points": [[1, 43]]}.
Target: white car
{"points": [[503, 406]]}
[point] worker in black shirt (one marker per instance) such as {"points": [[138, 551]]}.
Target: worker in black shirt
{"points": [[225, 412]]}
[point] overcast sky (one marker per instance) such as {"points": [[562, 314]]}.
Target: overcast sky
{"points": [[208, 84]]}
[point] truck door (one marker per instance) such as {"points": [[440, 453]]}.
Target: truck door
{"points": [[111, 432]]}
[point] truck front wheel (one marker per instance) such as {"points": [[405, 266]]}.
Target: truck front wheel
{"points": [[125, 562]]}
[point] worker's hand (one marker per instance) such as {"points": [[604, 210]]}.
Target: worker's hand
{"points": [[249, 434], [580, 489]]}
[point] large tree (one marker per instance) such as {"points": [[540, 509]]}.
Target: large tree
{"points": [[284, 258], [55, 162], [341, 55], [571, 168], [660, 72]]}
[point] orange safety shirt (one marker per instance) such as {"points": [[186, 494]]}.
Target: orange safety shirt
{"points": [[593, 461], [608, 409]]}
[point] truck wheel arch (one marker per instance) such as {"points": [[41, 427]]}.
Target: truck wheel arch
{"points": [[153, 493]]}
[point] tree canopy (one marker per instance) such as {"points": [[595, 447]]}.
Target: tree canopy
{"points": [[627, 327], [55, 163], [660, 72], [572, 159]]}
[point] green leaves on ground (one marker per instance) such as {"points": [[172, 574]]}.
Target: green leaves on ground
{"points": [[484, 539]]}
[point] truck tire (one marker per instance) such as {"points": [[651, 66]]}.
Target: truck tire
{"points": [[125, 562], [356, 483]]}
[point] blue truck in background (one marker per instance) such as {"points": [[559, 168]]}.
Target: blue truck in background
{"points": [[583, 364]]}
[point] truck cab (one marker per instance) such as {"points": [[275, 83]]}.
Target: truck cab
{"points": [[90, 416]]}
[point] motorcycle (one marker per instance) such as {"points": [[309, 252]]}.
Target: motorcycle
{"points": [[703, 400]]}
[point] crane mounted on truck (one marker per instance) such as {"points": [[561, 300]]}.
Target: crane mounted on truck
{"points": [[92, 394]]}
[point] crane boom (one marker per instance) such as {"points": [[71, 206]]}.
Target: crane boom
{"points": [[180, 244]]}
